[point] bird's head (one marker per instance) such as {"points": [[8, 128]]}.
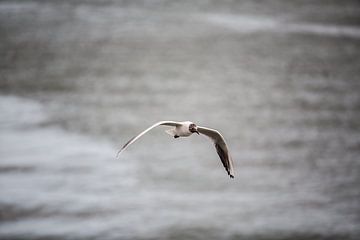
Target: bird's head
{"points": [[193, 128]]}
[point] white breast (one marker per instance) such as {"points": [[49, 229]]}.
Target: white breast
{"points": [[183, 130]]}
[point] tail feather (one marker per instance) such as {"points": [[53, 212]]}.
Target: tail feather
{"points": [[171, 131]]}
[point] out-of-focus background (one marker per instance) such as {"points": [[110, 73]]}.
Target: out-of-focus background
{"points": [[280, 79]]}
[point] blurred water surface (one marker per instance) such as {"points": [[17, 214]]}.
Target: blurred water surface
{"points": [[278, 78]]}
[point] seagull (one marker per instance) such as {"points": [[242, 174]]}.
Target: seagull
{"points": [[186, 129]]}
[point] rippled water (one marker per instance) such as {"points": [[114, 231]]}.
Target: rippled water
{"points": [[78, 79]]}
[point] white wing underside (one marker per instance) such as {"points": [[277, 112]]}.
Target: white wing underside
{"points": [[132, 140]]}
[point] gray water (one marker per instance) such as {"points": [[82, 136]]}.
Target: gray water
{"points": [[279, 79]]}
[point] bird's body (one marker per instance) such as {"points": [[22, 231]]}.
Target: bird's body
{"points": [[186, 129], [181, 130]]}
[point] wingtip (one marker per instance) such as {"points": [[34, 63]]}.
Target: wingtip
{"points": [[118, 154], [231, 176]]}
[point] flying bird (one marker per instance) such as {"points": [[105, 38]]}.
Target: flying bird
{"points": [[186, 129]]}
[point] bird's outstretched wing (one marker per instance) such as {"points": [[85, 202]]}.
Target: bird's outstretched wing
{"points": [[221, 148], [132, 140]]}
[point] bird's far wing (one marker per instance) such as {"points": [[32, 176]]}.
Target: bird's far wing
{"points": [[132, 140], [221, 148]]}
